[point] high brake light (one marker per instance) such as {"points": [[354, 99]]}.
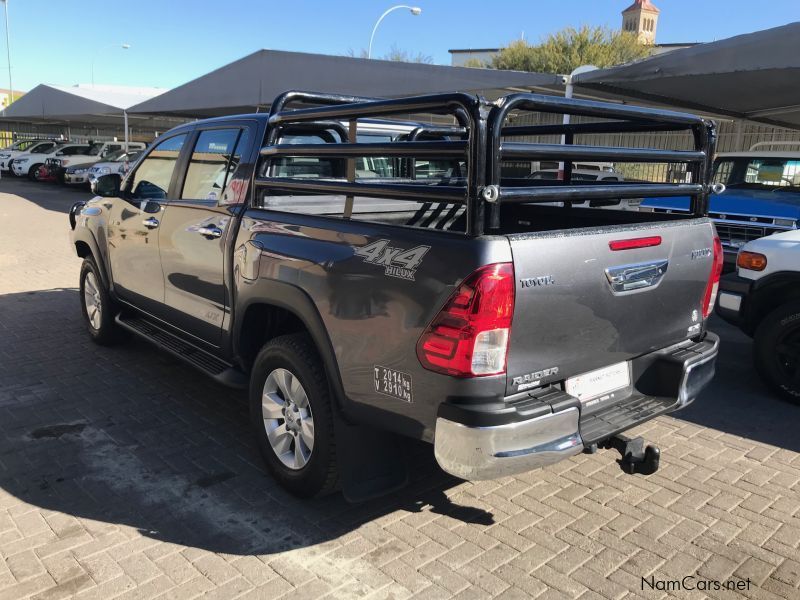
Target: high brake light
{"points": [[469, 335], [643, 242], [710, 296]]}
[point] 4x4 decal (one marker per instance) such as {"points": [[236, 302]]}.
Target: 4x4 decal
{"points": [[397, 262]]}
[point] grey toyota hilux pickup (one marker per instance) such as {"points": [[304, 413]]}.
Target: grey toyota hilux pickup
{"points": [[371, 269]]}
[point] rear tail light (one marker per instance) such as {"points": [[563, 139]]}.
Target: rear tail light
{"points": [[469, 335], [752, 261], [710, 296]]}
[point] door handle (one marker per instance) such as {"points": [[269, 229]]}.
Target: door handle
{"points": [[210, 232], [150, 223]]}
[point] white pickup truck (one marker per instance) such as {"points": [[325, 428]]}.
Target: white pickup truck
{"points": [[28, 163], [12, 152], [763, 299]]}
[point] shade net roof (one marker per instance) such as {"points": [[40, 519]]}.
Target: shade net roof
{"points": [[80, 105], [754, 76], [253, 82]]}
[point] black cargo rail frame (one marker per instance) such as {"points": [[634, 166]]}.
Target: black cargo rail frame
{"points": [[481, 127]]}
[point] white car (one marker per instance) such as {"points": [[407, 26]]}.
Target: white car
{"points": [[117, 162], [100, 151], [10, 153], [29, 162], [763, 299]]}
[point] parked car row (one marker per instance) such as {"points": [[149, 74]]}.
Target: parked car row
{"points": [[67, 162]]}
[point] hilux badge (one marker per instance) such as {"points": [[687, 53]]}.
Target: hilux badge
{"points": [[396, 261]]}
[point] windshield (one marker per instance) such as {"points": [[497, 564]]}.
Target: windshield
{"points": [[73, 150], [43, 148], [758, 173], [117, 156], [95, 148], [20, 145]]}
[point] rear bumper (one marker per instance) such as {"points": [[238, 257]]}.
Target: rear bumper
{"points": [[558, 426]]}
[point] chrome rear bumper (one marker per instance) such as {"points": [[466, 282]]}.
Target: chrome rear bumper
{"points": [[663, 381], [500, 450]]}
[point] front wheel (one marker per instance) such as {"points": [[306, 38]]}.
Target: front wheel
{"points": [[291, 414], [33, 173], [776, 347], [97, 306]]}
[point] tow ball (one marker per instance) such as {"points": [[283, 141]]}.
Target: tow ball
{"points": [[636, 457]]}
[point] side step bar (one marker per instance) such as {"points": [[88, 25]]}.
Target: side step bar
{"points": [[209, 364]]}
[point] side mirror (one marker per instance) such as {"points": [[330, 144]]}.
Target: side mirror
{"points": [[106, 186]]}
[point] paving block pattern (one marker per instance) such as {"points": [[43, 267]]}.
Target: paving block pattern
{"points": [[124, 474]]}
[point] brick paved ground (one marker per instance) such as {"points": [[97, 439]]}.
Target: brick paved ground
{"points": [[124, 474]]}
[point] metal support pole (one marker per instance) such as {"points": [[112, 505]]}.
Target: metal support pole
{"points": [[352, 137], [8, 53], [737, 144], [570, 88], [125, 118]]}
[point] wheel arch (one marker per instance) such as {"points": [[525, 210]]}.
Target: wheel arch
{"points": [[769, 293], [86, 246], [271, 308]]}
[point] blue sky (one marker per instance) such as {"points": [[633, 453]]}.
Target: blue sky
{"points": [[174, 41]]}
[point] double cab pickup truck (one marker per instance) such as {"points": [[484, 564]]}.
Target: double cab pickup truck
{"points": [[366, 276], [761, 196]]}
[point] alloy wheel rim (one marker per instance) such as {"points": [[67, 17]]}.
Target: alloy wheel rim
{"points": [[92, 301], [288, 420]]}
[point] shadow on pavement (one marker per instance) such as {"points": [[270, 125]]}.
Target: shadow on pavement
{"points": [[738, 402], [130, 436], [47, 195]]}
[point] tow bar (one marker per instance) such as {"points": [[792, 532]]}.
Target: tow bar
{"points": [[636, 458]]}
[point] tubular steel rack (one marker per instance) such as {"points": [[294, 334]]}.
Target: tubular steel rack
{"points": [[481, 143]]}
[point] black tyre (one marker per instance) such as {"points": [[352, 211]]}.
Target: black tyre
{"points": [[33, 173], [776, 347], [291, 414], [97, 306]]}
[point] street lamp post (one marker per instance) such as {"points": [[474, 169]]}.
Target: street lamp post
{"points": [[116, 45], [8, 53], [415, 10]]}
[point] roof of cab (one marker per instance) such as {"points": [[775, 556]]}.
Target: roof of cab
{"points": [[760, 154]]}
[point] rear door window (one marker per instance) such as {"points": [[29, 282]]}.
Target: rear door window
{"points": [[215, 157], [43, 148]]}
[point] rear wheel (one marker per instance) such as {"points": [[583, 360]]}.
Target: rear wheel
{"points": [[97, 306], [777, 350], [292, 417]]}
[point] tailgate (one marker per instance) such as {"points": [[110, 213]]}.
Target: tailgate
{"points": [[569, 319]]}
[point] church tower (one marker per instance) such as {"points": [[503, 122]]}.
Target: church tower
{"points": [[641, 18]]}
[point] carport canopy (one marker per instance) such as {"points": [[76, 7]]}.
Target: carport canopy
{"points": [[253, 82], [754, 76], [80, 105]]}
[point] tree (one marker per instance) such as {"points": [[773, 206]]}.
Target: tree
{"points": [[396, 54], [565, 50], [475, 63]]}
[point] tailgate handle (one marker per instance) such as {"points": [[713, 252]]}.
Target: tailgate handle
{"points": [[637, 276]]}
